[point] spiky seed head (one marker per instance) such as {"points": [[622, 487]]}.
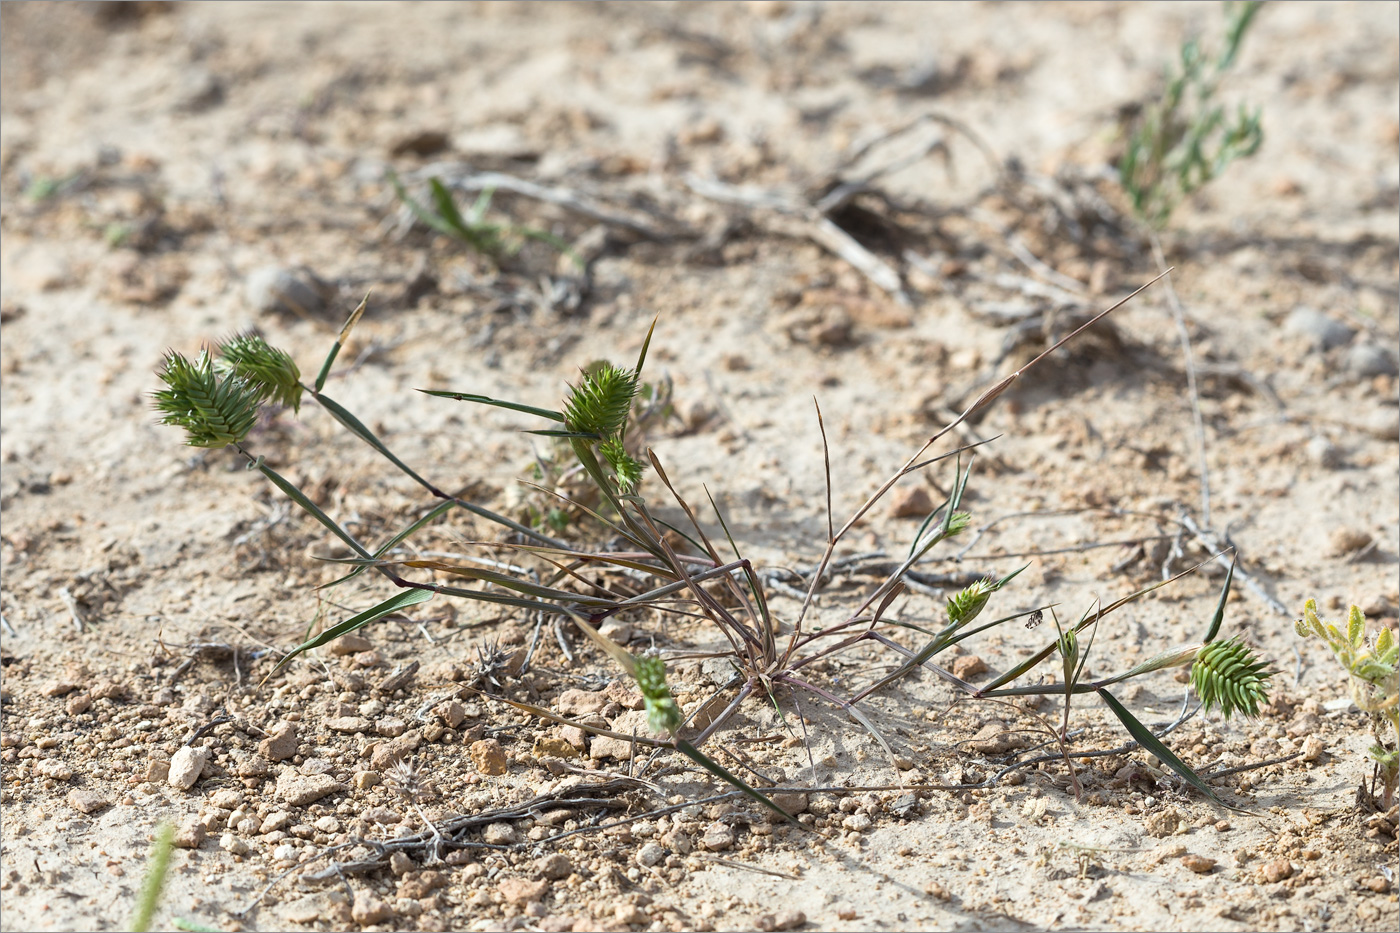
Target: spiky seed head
{"points": [[271, 370], [600, 402], [970, 601], [214, 410], [626, 470], [1227, 675], [663, 715]]}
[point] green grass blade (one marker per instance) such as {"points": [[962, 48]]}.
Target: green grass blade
{"points": [[158, 866], [487, 400], [357, 427], [447, 209], [340, 342], [695, 755], [393, 604], [436, 512], [1144, 737], [1219, 616], [300, 499]]}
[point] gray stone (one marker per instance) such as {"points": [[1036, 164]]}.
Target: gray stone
{"points": [[281, 742], [1321, 330], [296, 290], [650, 854], [1366, 360]]}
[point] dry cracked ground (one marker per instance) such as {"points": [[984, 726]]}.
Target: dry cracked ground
{"points": [[171, 174]]}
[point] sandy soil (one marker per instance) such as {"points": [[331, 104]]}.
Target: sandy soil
{"points": [[157, 160]]}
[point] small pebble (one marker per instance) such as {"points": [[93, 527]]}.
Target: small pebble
{"points": [[500, 834], [191, 834], [364, 780], [1198, 863], [281, 742], [186, 765], [521, 891], [789, 919], [718, 837], [88, 801], [1279, 869], [857, 823], [1323, 332], [301, 789], [233, 845], [650, 854], [369, 908], [555, 867], [1366, 360], [488, 756], [969, 665]]}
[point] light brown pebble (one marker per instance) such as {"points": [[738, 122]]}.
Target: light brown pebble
{"points": [[555, 867], [348, 725], [521, 891], [553, 747], [789, 919], [1280, 869], [631, 914], [186, 765], [302, 789], [488, 756], [499, 834], [281, 742], [1312, 748], [54, 769], [718, 837], [364, 780], [401, 864], [78, 703], [190, 835], [88, 801], [1198, 863], [350, 644], [1377, 884], [58, 688], [369, 908], [911, 503], [969, 665], [452, 713]]}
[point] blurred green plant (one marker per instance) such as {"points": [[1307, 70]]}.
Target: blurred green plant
{"points": [[1373, 677], [1185, 139], [495, 240]]}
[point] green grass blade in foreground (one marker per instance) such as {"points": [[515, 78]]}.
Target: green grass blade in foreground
{"points": [[1144, 737], [1224, 598], [300, 499], [499, 403], [435, 513], [344, 335], [695, 755], [393, 604], [158, 865]]}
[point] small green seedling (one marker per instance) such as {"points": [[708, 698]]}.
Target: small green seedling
{"points": [[1185, 139], [1374, 679]]}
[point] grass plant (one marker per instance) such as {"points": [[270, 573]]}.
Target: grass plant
{"points": [[691, 569]]}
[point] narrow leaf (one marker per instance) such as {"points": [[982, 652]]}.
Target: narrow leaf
{"points": [[499, 403], [1156, 746], [393, 604], [695, 755]]}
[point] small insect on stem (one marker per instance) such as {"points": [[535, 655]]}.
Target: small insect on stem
{"points": [[1036, 618]]}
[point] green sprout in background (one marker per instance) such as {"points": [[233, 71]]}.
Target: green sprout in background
{"points": [[1186, 139], [1374, 679]]}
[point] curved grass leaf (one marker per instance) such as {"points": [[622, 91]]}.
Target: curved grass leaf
{"points": [[393, 604], [1144, 737]]}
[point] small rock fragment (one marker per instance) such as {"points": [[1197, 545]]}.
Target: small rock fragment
{"points": [[186, 765], [632, 915], [298, 291], [789, 919], [580, 702], [1280, 869], [233, 845], [499, 834], [58, 688], [553, 747], [857, 823], [452, 713], [54, 769], [369, 908], [718, 837], [790, 803], [650, 854], [190, 835], [555, 867], [911, 503], [350, 644], [88, 801], [1198, 863], [488, 756], [1322, 332], [1366, 360], [969, 665], [281, 742], [302, 789], [1312, 748], [364, 780], [401, 864], [521, 891]]}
